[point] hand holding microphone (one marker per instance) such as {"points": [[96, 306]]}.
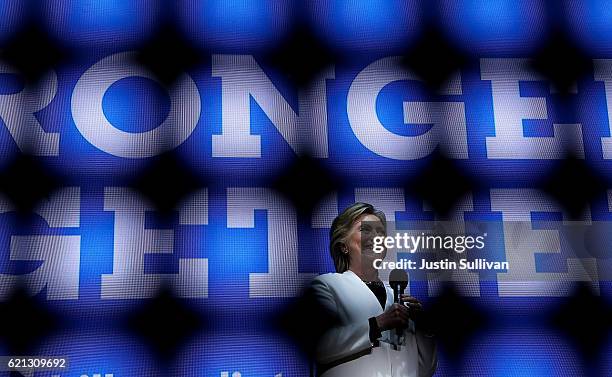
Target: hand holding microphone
{"points": [[411, 302], [396, 317], [404, 307]]}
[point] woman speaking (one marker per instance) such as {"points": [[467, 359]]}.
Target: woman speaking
{"points": [[371, 335]]}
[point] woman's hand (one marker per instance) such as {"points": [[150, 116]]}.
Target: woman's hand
{"points": [[398, 315], [415, 309], [395, 317], [414, 304]]}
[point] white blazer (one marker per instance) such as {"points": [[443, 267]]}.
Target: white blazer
{"points": [[353, 303]]}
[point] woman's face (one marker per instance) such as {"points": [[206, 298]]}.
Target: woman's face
{"points": [[360, 240]]}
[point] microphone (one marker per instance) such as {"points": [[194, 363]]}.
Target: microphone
{"points": [[398, 280]]}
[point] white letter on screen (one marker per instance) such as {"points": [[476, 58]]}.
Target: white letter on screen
{"points": [[509, 110], [242, 79], [60, 254], [465, 281], [17, 112], [132, 241], [448, 118], [523, 243], [603, 72], [91, 122], [282, 278]]}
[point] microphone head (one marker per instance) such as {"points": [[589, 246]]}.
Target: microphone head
{"points": [[398, 278]]}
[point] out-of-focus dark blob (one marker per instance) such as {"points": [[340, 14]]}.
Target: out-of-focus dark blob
{"points": [[589, 22], [574, 185], [165, 324], [305, 321], [433, 58], [366, 28], [101, 25], [235, 26], [494, 27], [440, 184], [562, 61], [454, 320], [167, 54], [26, 183], [166, 182], [33, 53], [586, 319], [300, 57], [12, 14], [305, 182], [25, 322]]}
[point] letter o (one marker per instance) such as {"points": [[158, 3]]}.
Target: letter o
{"points": [[89, 118]]}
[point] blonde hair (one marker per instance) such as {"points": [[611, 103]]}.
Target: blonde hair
{"points": [[341, 227]]}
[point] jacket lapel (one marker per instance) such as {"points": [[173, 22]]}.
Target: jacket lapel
{"points": [[365, 292]]}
